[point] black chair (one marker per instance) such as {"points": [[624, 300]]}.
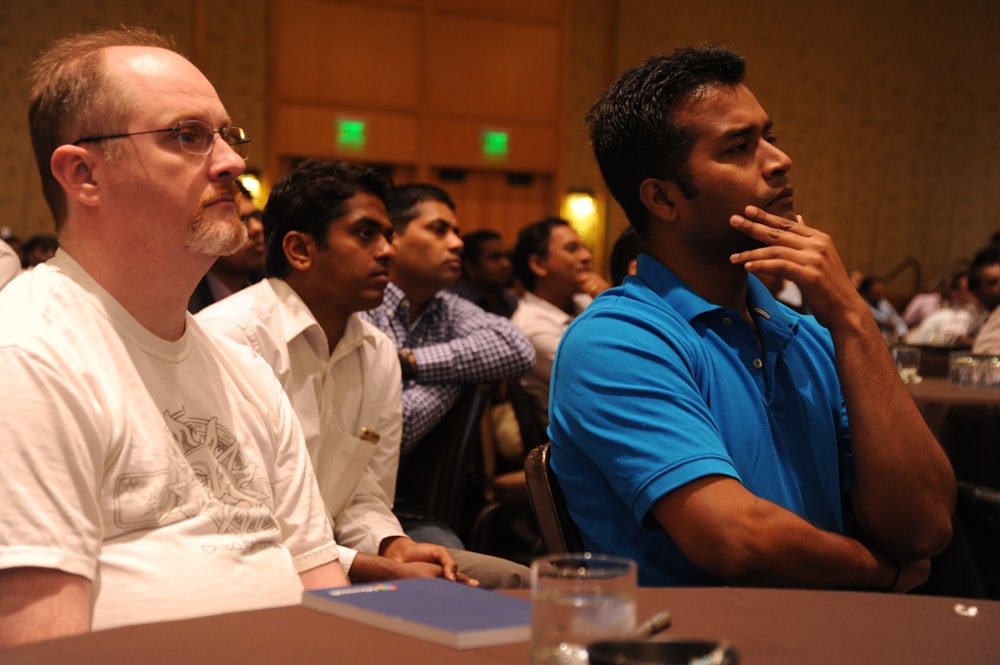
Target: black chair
{"points": [[435, 478], [559, 533], [978, 510], [532, 431]]}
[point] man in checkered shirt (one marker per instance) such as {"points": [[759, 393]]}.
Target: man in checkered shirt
{"points": [[445, 342]]}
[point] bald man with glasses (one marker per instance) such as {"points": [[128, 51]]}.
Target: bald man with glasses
{"points": [[153, 471]]}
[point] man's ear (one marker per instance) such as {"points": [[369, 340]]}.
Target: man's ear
{"points": [[73, 167], [658, 197], [299, 250], [537, 265]]}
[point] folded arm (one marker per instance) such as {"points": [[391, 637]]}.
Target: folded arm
{"points": [[484, 347], [745, 540]]}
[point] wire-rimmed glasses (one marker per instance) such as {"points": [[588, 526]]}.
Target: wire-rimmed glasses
{"points": [[194, 136]]}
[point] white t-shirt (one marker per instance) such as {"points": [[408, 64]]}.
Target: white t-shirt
{"points": [[173, 475], [10, 264]]}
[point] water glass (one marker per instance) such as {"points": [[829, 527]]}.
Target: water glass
{"points": [[961, 365], [907, 362], [577, 599]]}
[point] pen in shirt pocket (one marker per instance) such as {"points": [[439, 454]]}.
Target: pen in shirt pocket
{"points": [[369, 436]]}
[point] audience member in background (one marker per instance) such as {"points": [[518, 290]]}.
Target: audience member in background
{"points": [[922, 305], [856, 277], [152, 471], [238, 270], [956, 322], [486, 273], [624, 253], [984, 281], [444, 342], [329, 247], [697, 426], [10, 263], [554, 267], [889, 322], [39, 249]]}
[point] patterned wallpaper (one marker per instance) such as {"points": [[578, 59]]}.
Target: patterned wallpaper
{"points": [[890, 111]]}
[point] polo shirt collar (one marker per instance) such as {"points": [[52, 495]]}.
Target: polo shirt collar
{"points": [[690, 305]]}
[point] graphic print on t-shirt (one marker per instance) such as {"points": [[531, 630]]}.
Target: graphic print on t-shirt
{"points": [[230, 487]]}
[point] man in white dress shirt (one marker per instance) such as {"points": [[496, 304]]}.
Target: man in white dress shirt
{"points": [[555, 268], [328, 246]]}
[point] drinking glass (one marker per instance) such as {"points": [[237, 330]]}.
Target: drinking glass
{"points": [[907, 362], [578, 599], [960, 368]]}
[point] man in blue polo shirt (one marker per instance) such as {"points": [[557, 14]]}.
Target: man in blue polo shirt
{"points": [[701, 427]]}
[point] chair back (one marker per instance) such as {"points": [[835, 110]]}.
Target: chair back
{"points": [[437, 471], [532, 431], [559, 533]]}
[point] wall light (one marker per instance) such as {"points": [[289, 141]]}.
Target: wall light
{"points": [[580, 209], [251, 181]]}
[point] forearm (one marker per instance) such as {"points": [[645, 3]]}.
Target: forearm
{"points": [[487, 355], [327, 575], [745, 540], [905, 486], [372, 568], [781, 549], [40, 604]]}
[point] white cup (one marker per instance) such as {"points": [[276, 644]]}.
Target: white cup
{"points": [[577, 599]]}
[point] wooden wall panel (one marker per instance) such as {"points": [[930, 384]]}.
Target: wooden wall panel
{"points": [[457, 143], [489, 200], [309, 131], [428, 77], [480, 67], [346, 53], [534, 9]]}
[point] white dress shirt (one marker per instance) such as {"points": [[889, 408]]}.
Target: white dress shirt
{"points": [[348, 403], [543, 324]]}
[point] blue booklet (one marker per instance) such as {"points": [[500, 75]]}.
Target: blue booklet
{"points": [[448, 613]]}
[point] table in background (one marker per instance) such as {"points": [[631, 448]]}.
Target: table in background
{"points": [[767, 627], [966, 420]]}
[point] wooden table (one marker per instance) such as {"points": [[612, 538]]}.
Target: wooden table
{"points": [[767, 627], [966, 420]]}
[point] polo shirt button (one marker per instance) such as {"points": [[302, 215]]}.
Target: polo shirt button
{"points": [[726, 321], [758, 363]]}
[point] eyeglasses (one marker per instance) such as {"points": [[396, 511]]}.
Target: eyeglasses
{"points": [[194, 136]]}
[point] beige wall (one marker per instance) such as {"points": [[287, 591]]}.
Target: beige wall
{"points": [[890, 110]]}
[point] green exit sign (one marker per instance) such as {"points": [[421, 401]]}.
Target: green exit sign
{"points": [[495, 143], [350, 133]]}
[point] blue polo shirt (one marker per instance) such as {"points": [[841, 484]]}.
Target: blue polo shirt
{"points": [[654, 387]]}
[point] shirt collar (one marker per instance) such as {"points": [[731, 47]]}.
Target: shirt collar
{"points": [[296, 318], [356, 333], [690, 305], [397, 305]]}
